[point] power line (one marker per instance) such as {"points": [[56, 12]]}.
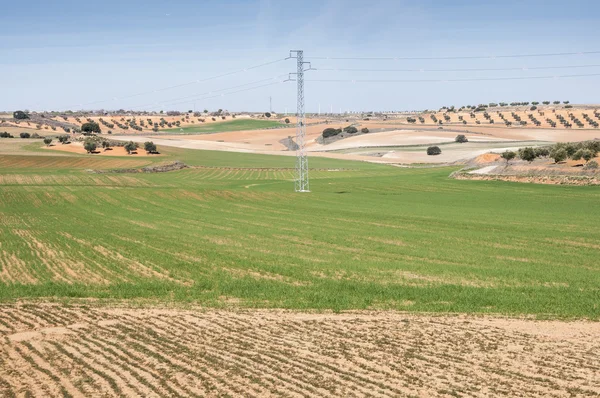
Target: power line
{"points": [[184, 84], [564, 54], [525, 68], [193, 96], [233, 92], [450, 80]]}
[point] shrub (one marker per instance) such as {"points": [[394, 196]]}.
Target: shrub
{"points": [[105, 144], [434, 150], [533, 108], [330, 132], [47, 141], [364, 130], [287, 121], [20, 115], [461, 138], [90, 128], [268, 114], [528, 154], [351, 130], [89, 146], [542, 152], [558, 155], [6, 135], [150, 147], [25, 135], [130, 147], [591, 165], [508, 156], [568, 106]]}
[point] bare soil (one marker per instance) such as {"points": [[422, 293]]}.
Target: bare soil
{"points": [[81, 350], [77, 147]]}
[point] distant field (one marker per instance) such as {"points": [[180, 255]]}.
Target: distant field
{"points": [[233, 231], [233, 125]]}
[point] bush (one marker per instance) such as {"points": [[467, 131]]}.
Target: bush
{"points": [[434, 150], [508, 156], [528, 154], [89, 146], [542, 152], [25, 135], [6, 135], [559, 155], [364, 130], [533, 108], [47, 141], [20, 115], [150, 147], [287, 121], [268, 114], [586, 155], [130, 147], [90, 128], [351, 130], [591, 165], [330, 132], [105, 144], [461, 138]]}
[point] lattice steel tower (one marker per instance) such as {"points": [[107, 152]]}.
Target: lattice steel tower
{"points": [[301, 184]]}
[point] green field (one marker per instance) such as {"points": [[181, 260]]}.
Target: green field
{"points": [[232, 125], [231, 234]]}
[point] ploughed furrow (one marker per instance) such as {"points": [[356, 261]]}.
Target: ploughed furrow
{"points": [[246, 364], [189, 361], [86, 349]]}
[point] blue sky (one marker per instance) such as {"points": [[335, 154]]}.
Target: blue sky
{"points": [[65, 54]]}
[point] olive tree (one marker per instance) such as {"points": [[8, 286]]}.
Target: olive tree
{"points": [[150, 147], [461, 138], [434, 150], [527, 154], [558, 155], [47, 141], [508, 156], [89, 146], [130, 147]]}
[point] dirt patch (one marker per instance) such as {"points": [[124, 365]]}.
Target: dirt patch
{"points": [[487, 158], [87, 350]]}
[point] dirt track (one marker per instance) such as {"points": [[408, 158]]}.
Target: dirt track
{"points": [[49, 350]]}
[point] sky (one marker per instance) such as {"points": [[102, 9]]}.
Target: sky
{"points": [[69, 55]]}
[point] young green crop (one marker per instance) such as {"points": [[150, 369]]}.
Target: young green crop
{"points": [[231, 229]]}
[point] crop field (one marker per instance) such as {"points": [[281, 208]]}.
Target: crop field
{"points": [[233, 125], [231, 228], [80, 351], [219, 280]]}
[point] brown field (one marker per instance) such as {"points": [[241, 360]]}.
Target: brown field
{"points": [[51, 350], [77, 147]]}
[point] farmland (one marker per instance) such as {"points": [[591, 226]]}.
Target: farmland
{"points": [[218, 280], [230, 228], [231, 125]]}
